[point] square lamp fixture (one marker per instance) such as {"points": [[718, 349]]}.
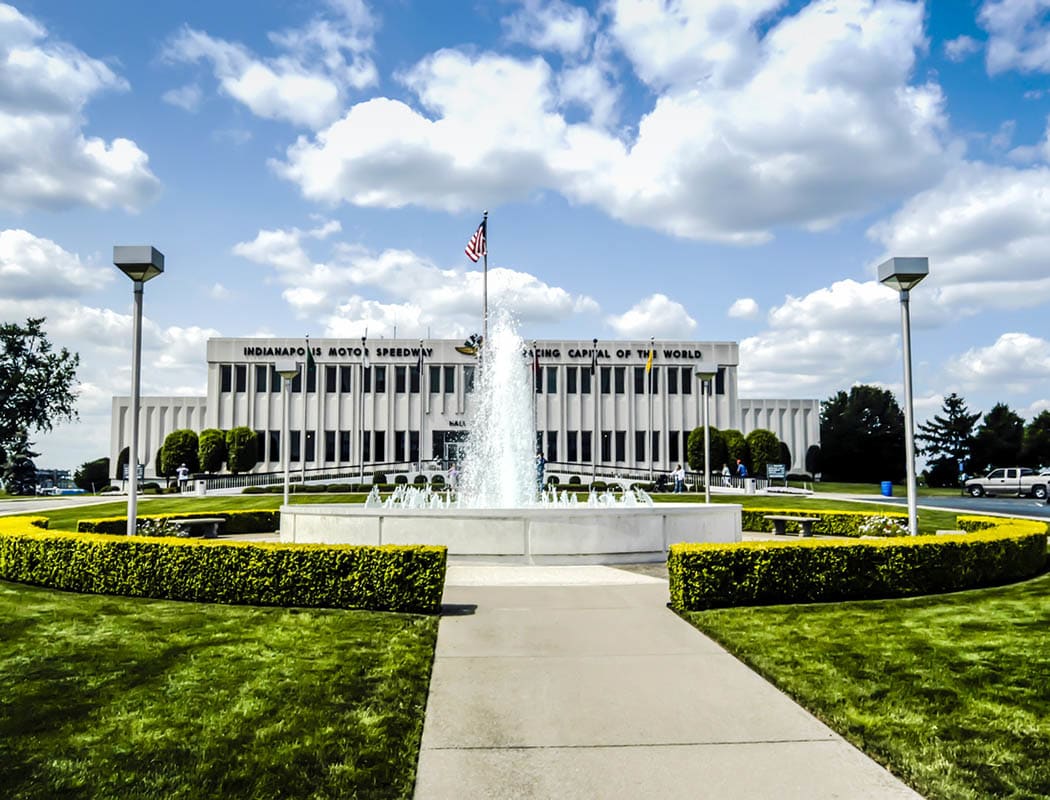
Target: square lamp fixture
{"points": [[705, 373], [903, 274], [138, 262]]}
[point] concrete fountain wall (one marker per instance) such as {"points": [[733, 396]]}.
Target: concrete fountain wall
{"points": [[571, 535]]}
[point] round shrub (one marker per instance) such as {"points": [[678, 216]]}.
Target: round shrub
{"points": [[255, 490], [379, 477], [553, 480], [437, 480], [420, 480], [340, 488], [574, 480], [400, 479], [599, 486]]}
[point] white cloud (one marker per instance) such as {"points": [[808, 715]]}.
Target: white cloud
{"points": [[1016, 362], [744, 308], [306, 83], [986, 230], [218, 292], [1018, 35], [32, 268], [823, 124], [418, 294], [187, 97], [656, 315], [46, 161], [552, 25], [961, 47]]}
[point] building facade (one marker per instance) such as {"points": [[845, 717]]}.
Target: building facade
{"points": [[357, 402]]}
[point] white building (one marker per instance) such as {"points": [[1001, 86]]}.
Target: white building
{"points": [[382, 411]]}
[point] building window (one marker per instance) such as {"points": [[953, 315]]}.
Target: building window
{"points": [[720, 381], [571, 452], [606, 378], [380, 447], [344, 446], [368, 380], [399, 380], [240, 374], [435, 379], [297, 382], [399, 446], [260, 444], [468, 379], [552, 445], [345, 384], [311, 378], [380, 380], [672, 446], [654, 376], [672, 381], [687, 380], [329, 445], [310, 452], [585, 446], [275, 379], [639, 447], [275, 446], [639, 380], [450, 380], [413, 379], [537, 378], [225, 378], [330, 374], [585, 380], [606, 446], [261, 371], [366, 446], [570, 380], [620, 379], [295, 440], [413, 447], [552, 380], [621, 445], [654, 454]]}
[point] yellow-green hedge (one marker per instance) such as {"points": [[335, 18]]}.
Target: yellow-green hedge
{"points": [[387, 578], [263, 520], [22, 523], [759, 573], [830, 523]]}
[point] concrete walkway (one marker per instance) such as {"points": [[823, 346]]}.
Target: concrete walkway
{"points": [[596, 690]]}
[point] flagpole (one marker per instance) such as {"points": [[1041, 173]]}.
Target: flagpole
{"points": [[422, 395], [302, 436], [535, 396], [649, 375], [485, 283], [361, 395], [595, 444]]}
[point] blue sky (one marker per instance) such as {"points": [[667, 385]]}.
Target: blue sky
{"points": [[701, 170]]}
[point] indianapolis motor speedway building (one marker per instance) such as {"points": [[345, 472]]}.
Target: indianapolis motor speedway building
{"points": [[370, 403]]}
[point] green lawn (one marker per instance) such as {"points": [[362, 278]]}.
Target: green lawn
{"points": [[951, 692], [825, 487], [108, 697]]}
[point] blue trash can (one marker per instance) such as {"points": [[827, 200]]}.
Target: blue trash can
{"points": [[887, 488]]}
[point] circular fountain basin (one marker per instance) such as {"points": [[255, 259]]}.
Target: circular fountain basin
{"points": [[541, 535]]}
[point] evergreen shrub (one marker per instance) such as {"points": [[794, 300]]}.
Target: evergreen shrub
{"points": [[386, 578], [242, 521], [400, 479], [831, 523], [758, 573]]}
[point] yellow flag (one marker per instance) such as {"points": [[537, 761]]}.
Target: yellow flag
{"points": [[649, 363]]}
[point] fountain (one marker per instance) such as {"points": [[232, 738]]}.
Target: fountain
{"points": [[498, 514]]}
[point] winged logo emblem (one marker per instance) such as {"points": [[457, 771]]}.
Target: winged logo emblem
{"points": [[471, 346]]}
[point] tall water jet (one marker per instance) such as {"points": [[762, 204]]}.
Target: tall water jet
{"points": [[499, 469]]}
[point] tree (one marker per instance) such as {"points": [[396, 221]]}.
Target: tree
{"points": [[999, 440], [92, 475], [695, 448], [736, 447], [785, 457], [813, 460], [122, 461], [38, 385], [764, 447], [948, 437], [862, 436], [180, 447], [19, 471], [241, 449], [212, 450], [1037, 441]]}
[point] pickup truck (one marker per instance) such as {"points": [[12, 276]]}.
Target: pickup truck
{"points": [[1016, 481]]}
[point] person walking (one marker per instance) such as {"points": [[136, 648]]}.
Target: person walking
{"points": [[453, 476], [679, 479], [183, 474], [725, 475], [741, 469]]}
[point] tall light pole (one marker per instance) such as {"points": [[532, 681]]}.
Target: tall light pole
{"points": [[361, 400], [705, 375], [140, 263], [595, 431], [287, 370], [903, 274]]}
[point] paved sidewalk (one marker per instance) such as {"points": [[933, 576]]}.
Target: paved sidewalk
{"points": [[597, 690]]}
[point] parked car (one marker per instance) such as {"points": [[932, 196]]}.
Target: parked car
{"points": [[1016, 481]]}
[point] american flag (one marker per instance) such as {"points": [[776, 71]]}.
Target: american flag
{"points": [[475, 248]]}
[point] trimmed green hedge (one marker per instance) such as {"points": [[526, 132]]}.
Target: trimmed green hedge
{"points": [[760, 573], [831, 523], [245, 521], [387, 578]]}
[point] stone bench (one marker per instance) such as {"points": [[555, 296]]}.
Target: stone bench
{"points": [[209, 524], [780, 523]]}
